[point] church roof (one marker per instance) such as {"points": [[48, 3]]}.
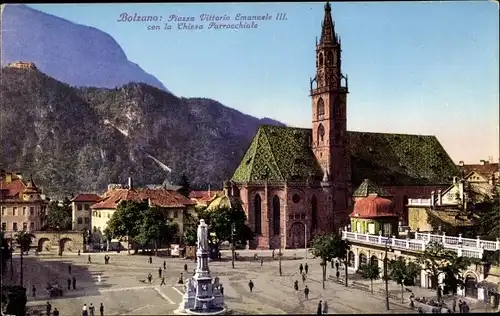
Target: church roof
{"points": [[367, 187], [280, 153]]}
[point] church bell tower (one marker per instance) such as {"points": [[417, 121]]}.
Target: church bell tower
{"points": [[330, 142]]}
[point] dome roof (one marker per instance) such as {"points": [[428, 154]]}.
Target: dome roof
{"points": [[374, 206]]}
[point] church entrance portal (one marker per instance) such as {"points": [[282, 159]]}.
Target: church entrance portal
{"points": [[297, 235]]}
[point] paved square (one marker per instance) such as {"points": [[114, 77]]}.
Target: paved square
{"points": [[124, 290]]}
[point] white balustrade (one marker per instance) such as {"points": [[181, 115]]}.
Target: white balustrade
{"points": [[462, 246]]}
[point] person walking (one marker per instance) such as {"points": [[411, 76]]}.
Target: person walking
{"points": [[301, 268], [454, 305], [261, 261], [164, 265], [296, 285], [56, 312], [337, 274], [303, 278], [250, 285], [163, 281], [325, 307], [48, 308], [185, 267], [89, 260], [306, 268], [150, 260], [150, 277], [337, 265], [159, 272], [33, 291], [69, 268], [306, 292], [74, 283], [319, 309], [460, 306], [221, 288], [68, 281], [101, 310], [466, 308], [92, 309], [84, 310], [78, 251]]}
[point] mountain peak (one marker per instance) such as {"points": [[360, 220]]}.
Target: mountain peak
{"points": [[55, 45]]}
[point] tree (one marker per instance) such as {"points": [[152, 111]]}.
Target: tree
{"points": [[185, 185], [127, 219], [58, 217], [370, 271], [435, 259], [156, 227], [403, 272], [489, 212], [5, 251], [327, 247], [220, 220], [108, 236], [189, 226], [24, 240]]}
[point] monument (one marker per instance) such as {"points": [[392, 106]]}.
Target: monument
{"points": [[202, 296]]}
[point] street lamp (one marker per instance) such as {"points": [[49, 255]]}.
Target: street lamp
{"points": [[11, 255], [386, 276], [305, 237], [233, 232], [279, 255]]}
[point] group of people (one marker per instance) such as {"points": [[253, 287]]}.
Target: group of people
{"points": [[90, 310], [322, 308], [463, 307]]}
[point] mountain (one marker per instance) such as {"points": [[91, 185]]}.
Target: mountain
{"points": [[81, 139], [56, 45]]}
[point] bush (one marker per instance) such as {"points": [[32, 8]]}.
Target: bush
{"points": [[14, 300]]}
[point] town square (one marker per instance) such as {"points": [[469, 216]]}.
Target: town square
{"points": [[119, 197]]}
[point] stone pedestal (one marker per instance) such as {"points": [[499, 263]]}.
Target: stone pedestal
{"points": [[202, 296]]}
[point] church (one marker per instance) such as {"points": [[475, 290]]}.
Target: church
{"points": [[294, 183]]}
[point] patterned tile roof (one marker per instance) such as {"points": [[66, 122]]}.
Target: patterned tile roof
{"points": [[367, 187], [283, 153], [373, 206], [85, 197], [278, 153], [158, 197]]}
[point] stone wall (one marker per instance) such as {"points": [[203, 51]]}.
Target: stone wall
{"points": [[52, 242]]}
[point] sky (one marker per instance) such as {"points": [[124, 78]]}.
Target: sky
{"points": [[429, 68]]}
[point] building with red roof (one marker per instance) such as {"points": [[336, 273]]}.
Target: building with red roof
{"points": [[374, 214], [175, 204], [21, 203]]}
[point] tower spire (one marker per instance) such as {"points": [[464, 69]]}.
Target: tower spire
{"points": [[327, 27]]}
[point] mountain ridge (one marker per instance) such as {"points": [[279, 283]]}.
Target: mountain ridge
{"points": [[58, 133]]}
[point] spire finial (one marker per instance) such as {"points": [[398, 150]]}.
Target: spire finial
{"points": [[328, 8]]}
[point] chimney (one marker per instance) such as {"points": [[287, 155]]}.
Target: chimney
{"points": [[439, 199], [130, 183], [8, 177], [454, 180], [491, 180], [19, 175], [461, 163], [483, 162], [461, 190], [432, 198]]}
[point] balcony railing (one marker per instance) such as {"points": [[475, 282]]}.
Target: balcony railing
{"points": [[419, 202], [418, 244], [466, 242]]}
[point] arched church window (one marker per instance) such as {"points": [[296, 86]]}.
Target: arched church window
{"points": [[321, 133], [257, 208], [314, 212], [329, 58], [321, 109], [320, 58], [276, 215]]}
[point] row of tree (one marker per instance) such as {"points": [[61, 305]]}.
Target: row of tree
{"points": [[435, 260]]}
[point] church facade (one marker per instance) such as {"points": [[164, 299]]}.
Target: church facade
{"points": [[294, 183]]}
